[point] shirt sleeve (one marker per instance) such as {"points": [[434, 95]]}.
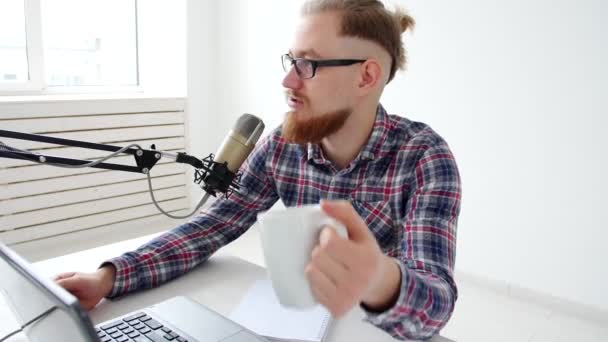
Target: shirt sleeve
{"points": [[184, 247], [427, 250]]}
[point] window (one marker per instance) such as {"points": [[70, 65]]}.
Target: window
{"points": [[13, 53], [96, 53], [48, 45]]}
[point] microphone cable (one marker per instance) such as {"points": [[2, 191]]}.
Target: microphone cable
{"points": [[202, 201]]}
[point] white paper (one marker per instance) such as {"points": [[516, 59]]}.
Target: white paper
{"points": [[260, 312]]}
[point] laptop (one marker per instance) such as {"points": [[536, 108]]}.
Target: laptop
{"points": [[51, 314]]}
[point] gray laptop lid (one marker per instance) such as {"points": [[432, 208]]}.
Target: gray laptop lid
{"points": [[28, 295]]}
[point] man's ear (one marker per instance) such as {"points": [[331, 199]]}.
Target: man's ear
{"points": [[371, 74]]}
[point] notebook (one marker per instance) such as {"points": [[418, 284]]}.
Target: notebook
{"points": [[260, 312]]}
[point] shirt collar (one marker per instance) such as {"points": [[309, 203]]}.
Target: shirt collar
{"points": [[370, 151]]}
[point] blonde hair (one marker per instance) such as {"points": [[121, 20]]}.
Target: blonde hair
{"points": [[369, 19]]}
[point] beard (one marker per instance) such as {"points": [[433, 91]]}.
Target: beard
{"points": [[313, 127]]}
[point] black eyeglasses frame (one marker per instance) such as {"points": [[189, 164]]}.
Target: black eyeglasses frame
{"points": [[315, 64]]}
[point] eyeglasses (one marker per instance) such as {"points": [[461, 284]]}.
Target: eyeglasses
{"points": [[307, 68]]}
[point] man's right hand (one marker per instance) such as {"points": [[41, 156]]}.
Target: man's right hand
{"points": [[89, 288]]}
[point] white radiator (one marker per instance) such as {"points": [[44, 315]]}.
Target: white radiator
{"points": [[41, 201]]}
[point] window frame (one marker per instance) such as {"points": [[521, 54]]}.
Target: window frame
{"points": [[36, 84]]}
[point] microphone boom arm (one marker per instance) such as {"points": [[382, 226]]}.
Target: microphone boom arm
{"points": [[216, 177], [145, 159]]}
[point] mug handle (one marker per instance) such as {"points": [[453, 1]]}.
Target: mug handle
{"points": [[337, 226]]}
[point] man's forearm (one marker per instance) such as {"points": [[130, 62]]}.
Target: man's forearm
{"points": [[148, 266], [411, 317]]}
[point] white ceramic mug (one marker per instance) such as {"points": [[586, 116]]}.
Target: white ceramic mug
{"points": [[288, 238]]}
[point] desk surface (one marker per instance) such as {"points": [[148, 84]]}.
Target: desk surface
{"points": [[220, 284]]}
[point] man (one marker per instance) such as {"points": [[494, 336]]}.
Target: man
{"points": [[392, 182]]}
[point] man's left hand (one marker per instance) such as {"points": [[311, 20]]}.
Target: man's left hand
{"points": [[345, 272]]}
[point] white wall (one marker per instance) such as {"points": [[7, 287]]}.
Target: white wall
{"points": [[204, 126], [516, 89], [252, 39]]}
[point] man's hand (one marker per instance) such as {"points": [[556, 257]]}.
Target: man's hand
{"points": [[343, 273], [89, 288]]}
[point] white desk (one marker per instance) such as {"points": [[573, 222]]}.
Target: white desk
{"points": [[220, 283]]}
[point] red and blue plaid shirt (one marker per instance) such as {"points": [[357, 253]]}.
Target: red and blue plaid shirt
{"points": [[404, 183]]}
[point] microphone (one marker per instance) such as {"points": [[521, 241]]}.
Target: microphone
{"points": [[220, 171], [239, 142]]}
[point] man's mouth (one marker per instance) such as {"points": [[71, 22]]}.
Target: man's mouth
{"points": [[294, 102]]}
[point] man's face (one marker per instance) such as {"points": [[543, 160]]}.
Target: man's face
{"points": [[319, 106]]}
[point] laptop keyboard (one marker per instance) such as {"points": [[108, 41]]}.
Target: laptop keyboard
{"points": [[138, 327]]}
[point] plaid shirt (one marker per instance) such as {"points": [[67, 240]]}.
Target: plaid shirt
{"points": [[404, 183]]}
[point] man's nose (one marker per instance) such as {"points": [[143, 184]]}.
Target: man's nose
{"points": [[292, 80]]}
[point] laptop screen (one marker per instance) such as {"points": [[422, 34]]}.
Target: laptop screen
{"points": [[29, 295]]}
